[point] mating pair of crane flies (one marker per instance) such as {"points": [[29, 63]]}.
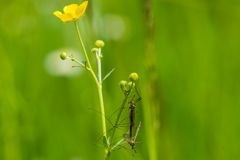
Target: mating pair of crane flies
{"points": [[131, 139], [131, 136]]}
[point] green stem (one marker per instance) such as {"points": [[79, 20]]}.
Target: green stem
{"points": [[89, 67], [98, 83], [82, 44], [80, 63], [100, 95], [104, 128], [99, 65], [118, 116]]}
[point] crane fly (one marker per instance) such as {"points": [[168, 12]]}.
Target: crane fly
{"points": [[132, 107]]}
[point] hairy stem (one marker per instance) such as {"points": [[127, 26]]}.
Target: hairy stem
{"points": [[82, 44], [99, 66], [118, 116], [98, 82], [100, 95], [89, 67]]}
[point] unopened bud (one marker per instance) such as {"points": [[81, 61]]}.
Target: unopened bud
{"points": [[63, 55], [133, 77], [94, 50], [99, 43], [131, 85], [122, 84]]}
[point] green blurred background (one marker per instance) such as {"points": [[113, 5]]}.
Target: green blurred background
{"points": [[186, 53]]}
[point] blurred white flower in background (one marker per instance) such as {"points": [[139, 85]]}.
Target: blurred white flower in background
{"points": [[115, 27], [111, 27], [57, 67]]}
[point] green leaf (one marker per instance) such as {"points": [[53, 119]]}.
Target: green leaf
{"points": [[107, 75]]}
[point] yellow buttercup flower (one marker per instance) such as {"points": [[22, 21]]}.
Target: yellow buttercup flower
{"points": [[72, 12]]}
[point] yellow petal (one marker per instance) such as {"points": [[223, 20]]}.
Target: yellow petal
{"points": [[71, 10], [81, 9], [67, 18], [63, 17], [57, 14]]}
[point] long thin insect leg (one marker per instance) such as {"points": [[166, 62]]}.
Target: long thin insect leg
{"points": [[139, 96], [137, 130]]}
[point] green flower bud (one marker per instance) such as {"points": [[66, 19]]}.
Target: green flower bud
{"points": [[133, 77], [94, 50], [63, 55], [122, 84], [131, 85], [99, 43]]}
